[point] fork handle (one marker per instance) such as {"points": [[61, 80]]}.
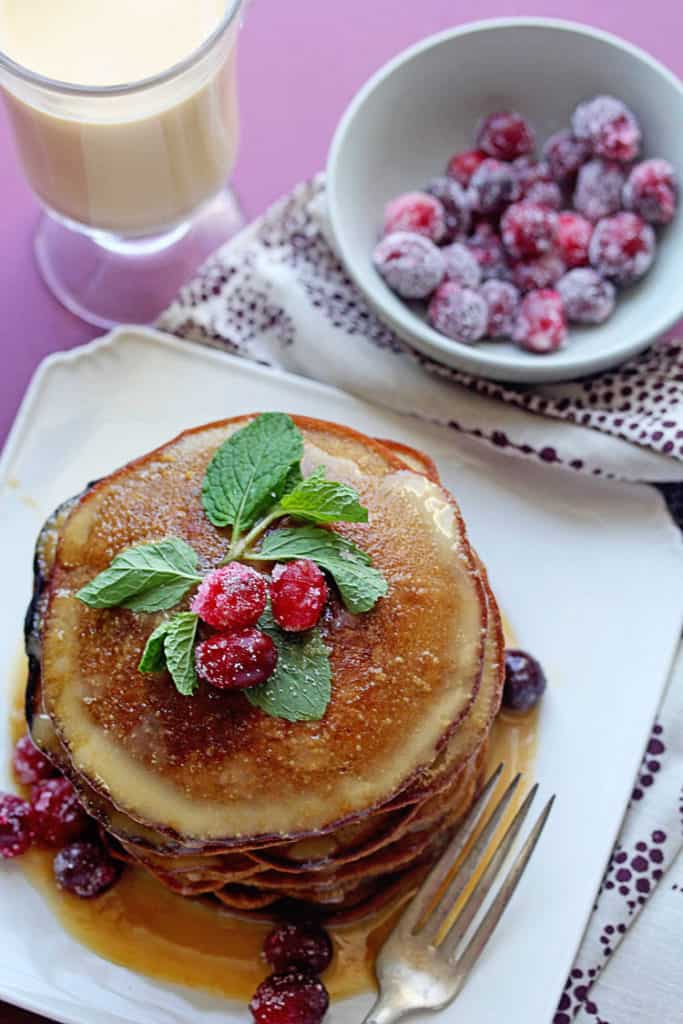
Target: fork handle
{"points": [[384, 1011]]}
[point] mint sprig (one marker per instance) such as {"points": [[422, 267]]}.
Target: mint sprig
{"points": [[360, 585], [171, 646], [323, 501], [147, 578], [300, 688]]}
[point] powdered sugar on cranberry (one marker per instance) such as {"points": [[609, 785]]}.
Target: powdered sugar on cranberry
{"points": [[541, 326], [574, 233], [609, 127], [502, 300], [505, 135], [417, 212], [492, 187], [587, 297], [598, 189], [411, 265], [16, 826], [461, 265], [565, 154], [453, 197], [622, 247], [30, 765], [528, 230], [58, 815], [462, 166], [651, 191], [292, 998], [231, 597], [542, 272], [235, 661], [299, 593], [459, 313]]}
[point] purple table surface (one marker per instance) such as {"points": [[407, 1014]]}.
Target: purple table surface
{"points": [[300, 64]]}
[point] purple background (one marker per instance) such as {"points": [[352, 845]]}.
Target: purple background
{"points": [[300, 63]]}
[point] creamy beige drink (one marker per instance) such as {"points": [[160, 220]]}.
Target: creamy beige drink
{"points": [[130, 160]]}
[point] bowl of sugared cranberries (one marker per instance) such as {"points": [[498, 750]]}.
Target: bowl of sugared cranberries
{"points": [[505, 195]]}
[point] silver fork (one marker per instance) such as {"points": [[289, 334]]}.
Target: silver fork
{"points": [[421, 965]]}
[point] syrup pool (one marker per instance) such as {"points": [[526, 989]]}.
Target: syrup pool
{"points": [[142, 926]]}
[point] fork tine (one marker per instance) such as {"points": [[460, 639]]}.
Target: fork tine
{"points": [[479, 893], [464, 873], [493, 915], [429, 889]]}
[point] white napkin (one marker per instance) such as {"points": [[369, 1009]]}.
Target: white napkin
{"points": [[278, 295]]}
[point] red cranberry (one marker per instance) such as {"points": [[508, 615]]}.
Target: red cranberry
{"points": [[622, 247], [462, 166], [492, 187], [565, 154], [609, 127], [528, 230], [587, 297], [30, 765], [58, 814], [573, 237], [292, 998], [541, 325], [598, 189], [234, 661], [651, 191], [525, 681], [529, 171], [298, 947], [542, 272], [85, 869], [231, 597], [418, 213], [299, 592], [454, 199], [487, 249], [461, 265], [411, 265], [505, 135], [459, 313], [502, 300], [545, 193], [16, 826]]}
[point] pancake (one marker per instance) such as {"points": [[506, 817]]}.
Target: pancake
{"points": [[210, 794]]}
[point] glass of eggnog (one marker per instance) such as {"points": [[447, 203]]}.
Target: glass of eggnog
{"points": [[125, 119]]}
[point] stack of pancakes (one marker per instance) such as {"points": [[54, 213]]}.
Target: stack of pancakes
{"points": [[210, 794]]}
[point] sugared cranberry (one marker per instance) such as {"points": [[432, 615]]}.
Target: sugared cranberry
{"points": [[505, 135], [541, 325], [292, 998], [234, 661], [298, 594], [492, 187], [462, 166], [651, 191], [587, 297], [622, 247], [411, 265], [542, 272], [85, 869], [453, 197], [16, 826], [486, 247], [298, 947], [58, 815], [529, 171], [502, 300], [231, 597], [545, 193], [30, 765], [598, 189], [565, 154], [573, 237], [609, 127], [459, 313], [525, 681], [528, 230], [417, 212], [461, 265]]}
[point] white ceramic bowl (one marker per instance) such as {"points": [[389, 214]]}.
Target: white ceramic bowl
{"points": [[424, 105]]}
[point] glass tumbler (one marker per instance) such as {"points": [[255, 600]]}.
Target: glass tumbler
{"points": [[132, 178]]}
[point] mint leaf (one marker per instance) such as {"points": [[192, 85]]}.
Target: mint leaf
{"points": [[249, 471], [359, 584], [153, 657], [147, 578], [300, 688], [179, 651], [324, 501]]}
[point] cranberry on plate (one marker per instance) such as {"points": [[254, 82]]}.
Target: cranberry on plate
{"points": [[565, 154], [541, 325], [528, 230], [85, 869], [462, 266], [235, 661], [485, 245], [453, 197], [29, 764], [298, 594], [505, 135], [525, 681], [541, 272], [16, 826], [462, 166], [492, 187], [502, 300], [58, 814], [622, 247], [574, 233], [411, 265], [598, 189], [298, 946], [459, 313], [292, 998], [609, 127], [587, 297], [417, 212], [651, 190], [231, 597]]}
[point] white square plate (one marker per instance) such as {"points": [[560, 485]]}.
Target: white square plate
{"points": [[588, 573]]}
